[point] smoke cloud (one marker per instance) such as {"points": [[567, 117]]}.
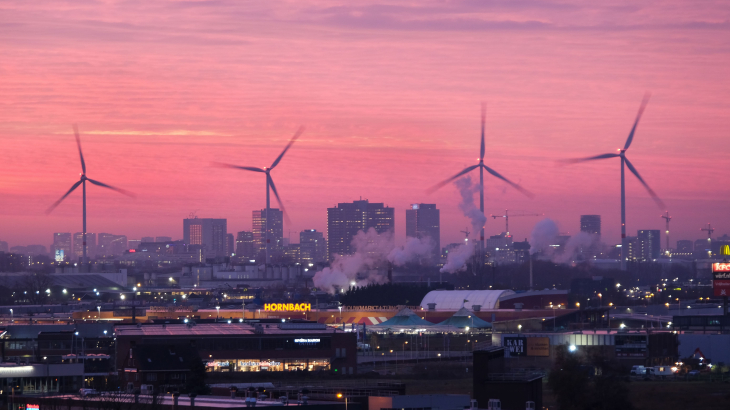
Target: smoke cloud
{"points": [[457, 257], [368, 264], [467, 190], [543, 235], [576, 244]]}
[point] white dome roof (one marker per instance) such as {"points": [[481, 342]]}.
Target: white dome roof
{"points": [[454, 299]]}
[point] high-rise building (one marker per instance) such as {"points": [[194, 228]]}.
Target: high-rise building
{"points": [[632, 248], [292, 253], [111, 245], [78, 248], [207, 232], [134, 243], [148, 239], [230, 250], [347, 219], [61, 248], [3, 246], [313, 247], [276, 232], [163, 239], [649, 244], [244, 245], [590, 224], [424, 221]]}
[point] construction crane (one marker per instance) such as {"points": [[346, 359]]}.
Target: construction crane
{"points": [[667, 218], [506, 217], [466, 232], [709, 231]]}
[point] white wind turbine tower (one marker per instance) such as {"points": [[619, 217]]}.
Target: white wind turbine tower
{"points": [[482, 168], [82, 181], [269, 185], [625, 161]]}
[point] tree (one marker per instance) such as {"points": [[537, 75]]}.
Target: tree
{"points": [[569, 382], [34, 286], [196, 382]]}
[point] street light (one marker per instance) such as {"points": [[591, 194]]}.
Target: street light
{"points": [[343, 326], [217, 311], [98, 309]]}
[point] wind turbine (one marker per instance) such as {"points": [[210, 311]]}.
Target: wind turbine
{"points": [[625, 161], [482, 168], [82, 182], [269, 185]]}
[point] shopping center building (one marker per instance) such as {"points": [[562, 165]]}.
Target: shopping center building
{"points": [[161, 355]]}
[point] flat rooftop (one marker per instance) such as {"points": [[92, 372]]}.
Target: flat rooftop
{"points": [[223, 329]]}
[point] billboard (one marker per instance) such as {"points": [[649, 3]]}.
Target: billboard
{"points": [[538, 346], [515, 346], [59, 255], [721, 270], [721, 287]]}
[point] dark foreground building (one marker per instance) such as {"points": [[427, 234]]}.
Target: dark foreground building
{"points": [[491, 381], [161, 356]]}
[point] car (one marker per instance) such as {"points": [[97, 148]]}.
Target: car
{"points": [[693, 373], [88, 392]]}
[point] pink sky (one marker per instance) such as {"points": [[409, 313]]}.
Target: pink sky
{"points": [[389, 93]]}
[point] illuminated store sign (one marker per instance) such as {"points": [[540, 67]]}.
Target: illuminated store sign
{"points": [[288, 307], [306, 341], [260, 364]]}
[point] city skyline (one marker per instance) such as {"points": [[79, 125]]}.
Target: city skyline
{"points": [[573, 101]]}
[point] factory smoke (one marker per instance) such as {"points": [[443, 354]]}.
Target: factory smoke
{"points": [[543, 235], [544, 239], [369, 263], [457, 257]]}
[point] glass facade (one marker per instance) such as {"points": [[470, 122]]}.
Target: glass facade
{"points": [[263, 365]]}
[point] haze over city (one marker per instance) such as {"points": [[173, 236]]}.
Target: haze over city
{"points": [[390, 96]]}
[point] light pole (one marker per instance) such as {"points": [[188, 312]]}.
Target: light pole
{"points": [[11, 315], [217, 311], [98, 310], [343, 325]]}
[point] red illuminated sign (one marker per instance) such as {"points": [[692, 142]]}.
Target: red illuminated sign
{"points": [[721, 287]]}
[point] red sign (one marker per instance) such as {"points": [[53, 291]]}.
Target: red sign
{"points": [[721, 270], [721, 287]]}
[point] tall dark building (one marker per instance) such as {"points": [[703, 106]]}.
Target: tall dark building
{"points": [[590, 224], [424, 220], [276, 232], [312, 247], [344, 222], [61, 248], [649, 244], [111, 245], [244, 245], [148, 239], [208, 232], [685, 247], [230, 243], [3, 246], [78, 247]]}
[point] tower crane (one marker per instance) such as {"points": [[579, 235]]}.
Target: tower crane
{"points": [[709, 231], [506, 217], [466, 232]]}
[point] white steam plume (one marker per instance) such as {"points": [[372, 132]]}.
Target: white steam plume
{"points": [[457, 257], [543, 235], [369, 262]]}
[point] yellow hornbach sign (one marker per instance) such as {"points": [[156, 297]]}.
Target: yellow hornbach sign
{"points": [[287, 307]]}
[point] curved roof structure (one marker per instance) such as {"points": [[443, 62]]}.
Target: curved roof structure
{"points": [[454, 299], [464, 318]]}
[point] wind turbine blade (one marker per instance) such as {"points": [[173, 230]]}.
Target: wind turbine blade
{"points": [[78, 143], [484, 116], [121, 191], [294, 138], [442, 183], [577, 160], [222, 165], [276, 194], [55, 204], [654, 196], [515, 186], [644, 101]]}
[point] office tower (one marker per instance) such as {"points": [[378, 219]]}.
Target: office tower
{"points": [[313, 247], [148, 239], [685, 247], [229, 244], [207, 232], [276, 232], [632, 252], [244, 245], [423, 221], [590, 224], [3, 246], [292, 253], [110, 244], [61, 248], [163, 239], [345, 220], [501, 241], [649, 244], [34, 250], [78, 249]]}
